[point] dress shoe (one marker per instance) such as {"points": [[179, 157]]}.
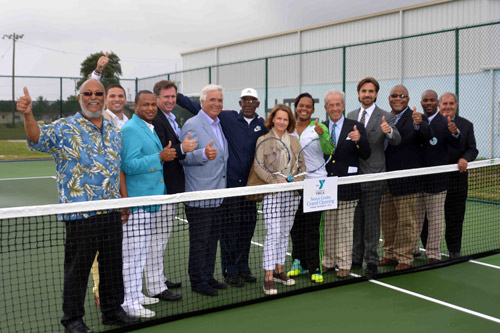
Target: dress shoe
{"points": [[173, 285], [343, 273], [205, 290], [386, 261], [216, 284], [356, 265], [120, 318], [371, 270], [149, 300], [248, 277], [454, 255], [234, 281], [400, 267], [433, 260], [77, 326], [167, 295]]}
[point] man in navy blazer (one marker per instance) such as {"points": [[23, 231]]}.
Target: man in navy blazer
{"points": [[454, 207], [380, 129], [398, 211], [205, 169], [430, 203], [142, 159], [351, 144]]}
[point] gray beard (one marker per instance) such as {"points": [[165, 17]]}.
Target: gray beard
{"points": [[90, 114]]}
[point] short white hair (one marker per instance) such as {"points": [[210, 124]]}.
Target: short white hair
{"points": [[335, 92], [207, 89]]}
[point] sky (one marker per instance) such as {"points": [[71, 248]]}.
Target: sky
{"points": [[149, 35]]}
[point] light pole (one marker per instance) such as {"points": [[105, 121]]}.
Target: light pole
{"points": [[14, 37]]}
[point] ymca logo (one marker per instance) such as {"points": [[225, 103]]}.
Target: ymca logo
{"points": [[321, 183]]}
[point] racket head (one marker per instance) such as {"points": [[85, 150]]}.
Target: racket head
{"points": [[273, 156], [310, 155]]}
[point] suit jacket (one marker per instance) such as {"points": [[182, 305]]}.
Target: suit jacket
{"points": [[200, 174], [173, 172], [467, 148], [346, 157], [141, 161], [407, 154], [376, 138]]}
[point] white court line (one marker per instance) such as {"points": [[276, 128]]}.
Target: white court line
{"points": [[434, 300], [26, 178], [484, 264]]}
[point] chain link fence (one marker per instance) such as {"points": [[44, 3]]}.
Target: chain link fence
{"points": [[464, 60]]}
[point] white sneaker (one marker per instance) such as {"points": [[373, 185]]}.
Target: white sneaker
{"points": [[143, 313], [149, 300]]}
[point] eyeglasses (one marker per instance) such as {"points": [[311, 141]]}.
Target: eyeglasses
{"points": [[249, 101], [95, 93], [400, 96]]}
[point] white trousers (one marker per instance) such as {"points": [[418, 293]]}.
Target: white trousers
{"points": [[279, 214], [136, 244], [431, 204], [154, 271]]}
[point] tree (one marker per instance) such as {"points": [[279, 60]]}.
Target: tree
{"points": [[110, 73], [40, 106]]}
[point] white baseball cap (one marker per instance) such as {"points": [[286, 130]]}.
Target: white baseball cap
{"points": [[249, 92]]}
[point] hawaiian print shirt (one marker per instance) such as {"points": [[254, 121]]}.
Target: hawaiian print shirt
{"points": [[87, 161]]}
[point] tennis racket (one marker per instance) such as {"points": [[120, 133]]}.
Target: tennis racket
{"points": [[273, 156], [310, 154]]}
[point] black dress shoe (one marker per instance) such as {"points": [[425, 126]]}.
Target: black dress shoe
{"points": [[371, 270], [77, 326], [234, 281], [173, 285], [167, 295], [248, 277], [120, 318], [205, 290], [216, 284], [356, 265], [454, 255]]}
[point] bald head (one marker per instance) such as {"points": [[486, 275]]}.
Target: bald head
{"points": [[429, 102], [398, 99], [94, 81]]}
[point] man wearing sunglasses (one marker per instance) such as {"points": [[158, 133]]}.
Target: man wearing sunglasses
{"points": [[241, 129], [71, 141], [398, 211]]}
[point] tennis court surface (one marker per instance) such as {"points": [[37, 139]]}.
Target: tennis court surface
{"points": [[459, 295]]}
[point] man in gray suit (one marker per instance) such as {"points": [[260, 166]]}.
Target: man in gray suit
{"points": [[205, 169], [381, 131]]}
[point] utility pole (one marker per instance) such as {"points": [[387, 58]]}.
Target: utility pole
{"points": [[14, 37]]}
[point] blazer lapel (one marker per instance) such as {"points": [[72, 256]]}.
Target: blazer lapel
{"points": [[208, 128], [149, 133], [374, 119], [166, 123]]}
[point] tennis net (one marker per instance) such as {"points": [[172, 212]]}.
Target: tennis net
{"points": [[214, 239]]}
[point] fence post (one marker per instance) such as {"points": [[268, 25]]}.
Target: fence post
{"points": [[136, 85], [267, 88], [457, 65], [60, 98], [343, 68], [210, 75]]}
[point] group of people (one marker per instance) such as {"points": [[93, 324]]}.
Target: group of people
{"points": [[100, 154]]}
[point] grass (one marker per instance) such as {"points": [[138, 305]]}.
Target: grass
{"points": [[12, 133], [17, 150]]}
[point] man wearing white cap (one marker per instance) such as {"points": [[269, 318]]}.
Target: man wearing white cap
{"points": [[241, 129]]}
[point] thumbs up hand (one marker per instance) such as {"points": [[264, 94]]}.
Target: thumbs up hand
{"points": [[168, 154], [24, 103], [318, 128], [417, 117], [386, 128], [211, 152], [452, 127], [102, 62], [188, 144], [354, 134]]}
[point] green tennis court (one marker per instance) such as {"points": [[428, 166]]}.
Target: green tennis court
{"points": [[458, 298]]}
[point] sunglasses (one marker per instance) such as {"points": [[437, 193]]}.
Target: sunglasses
{"points": [[400, 96], [90, 93], [250, 102]]}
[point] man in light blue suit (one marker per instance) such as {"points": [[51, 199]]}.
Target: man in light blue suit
{"points": [[142, 160], [205, 169]]}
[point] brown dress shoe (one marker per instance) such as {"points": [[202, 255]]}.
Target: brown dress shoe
{"points": [[386, 261], [343, 273], [400, 267]]}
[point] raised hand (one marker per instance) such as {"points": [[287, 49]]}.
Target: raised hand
{"points": [[211, 152], [452, 127], [354, 134], [24, 103], [386, 128], [318, 128], [188, 144], [102, 62], [168, 154], [417, 117]]}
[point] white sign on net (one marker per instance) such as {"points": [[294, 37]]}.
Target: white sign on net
{"points": [[320, 194]]}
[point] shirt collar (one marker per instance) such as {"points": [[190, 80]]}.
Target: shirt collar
{"points": [[432, 117], [209, 120], [369, 111]]}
